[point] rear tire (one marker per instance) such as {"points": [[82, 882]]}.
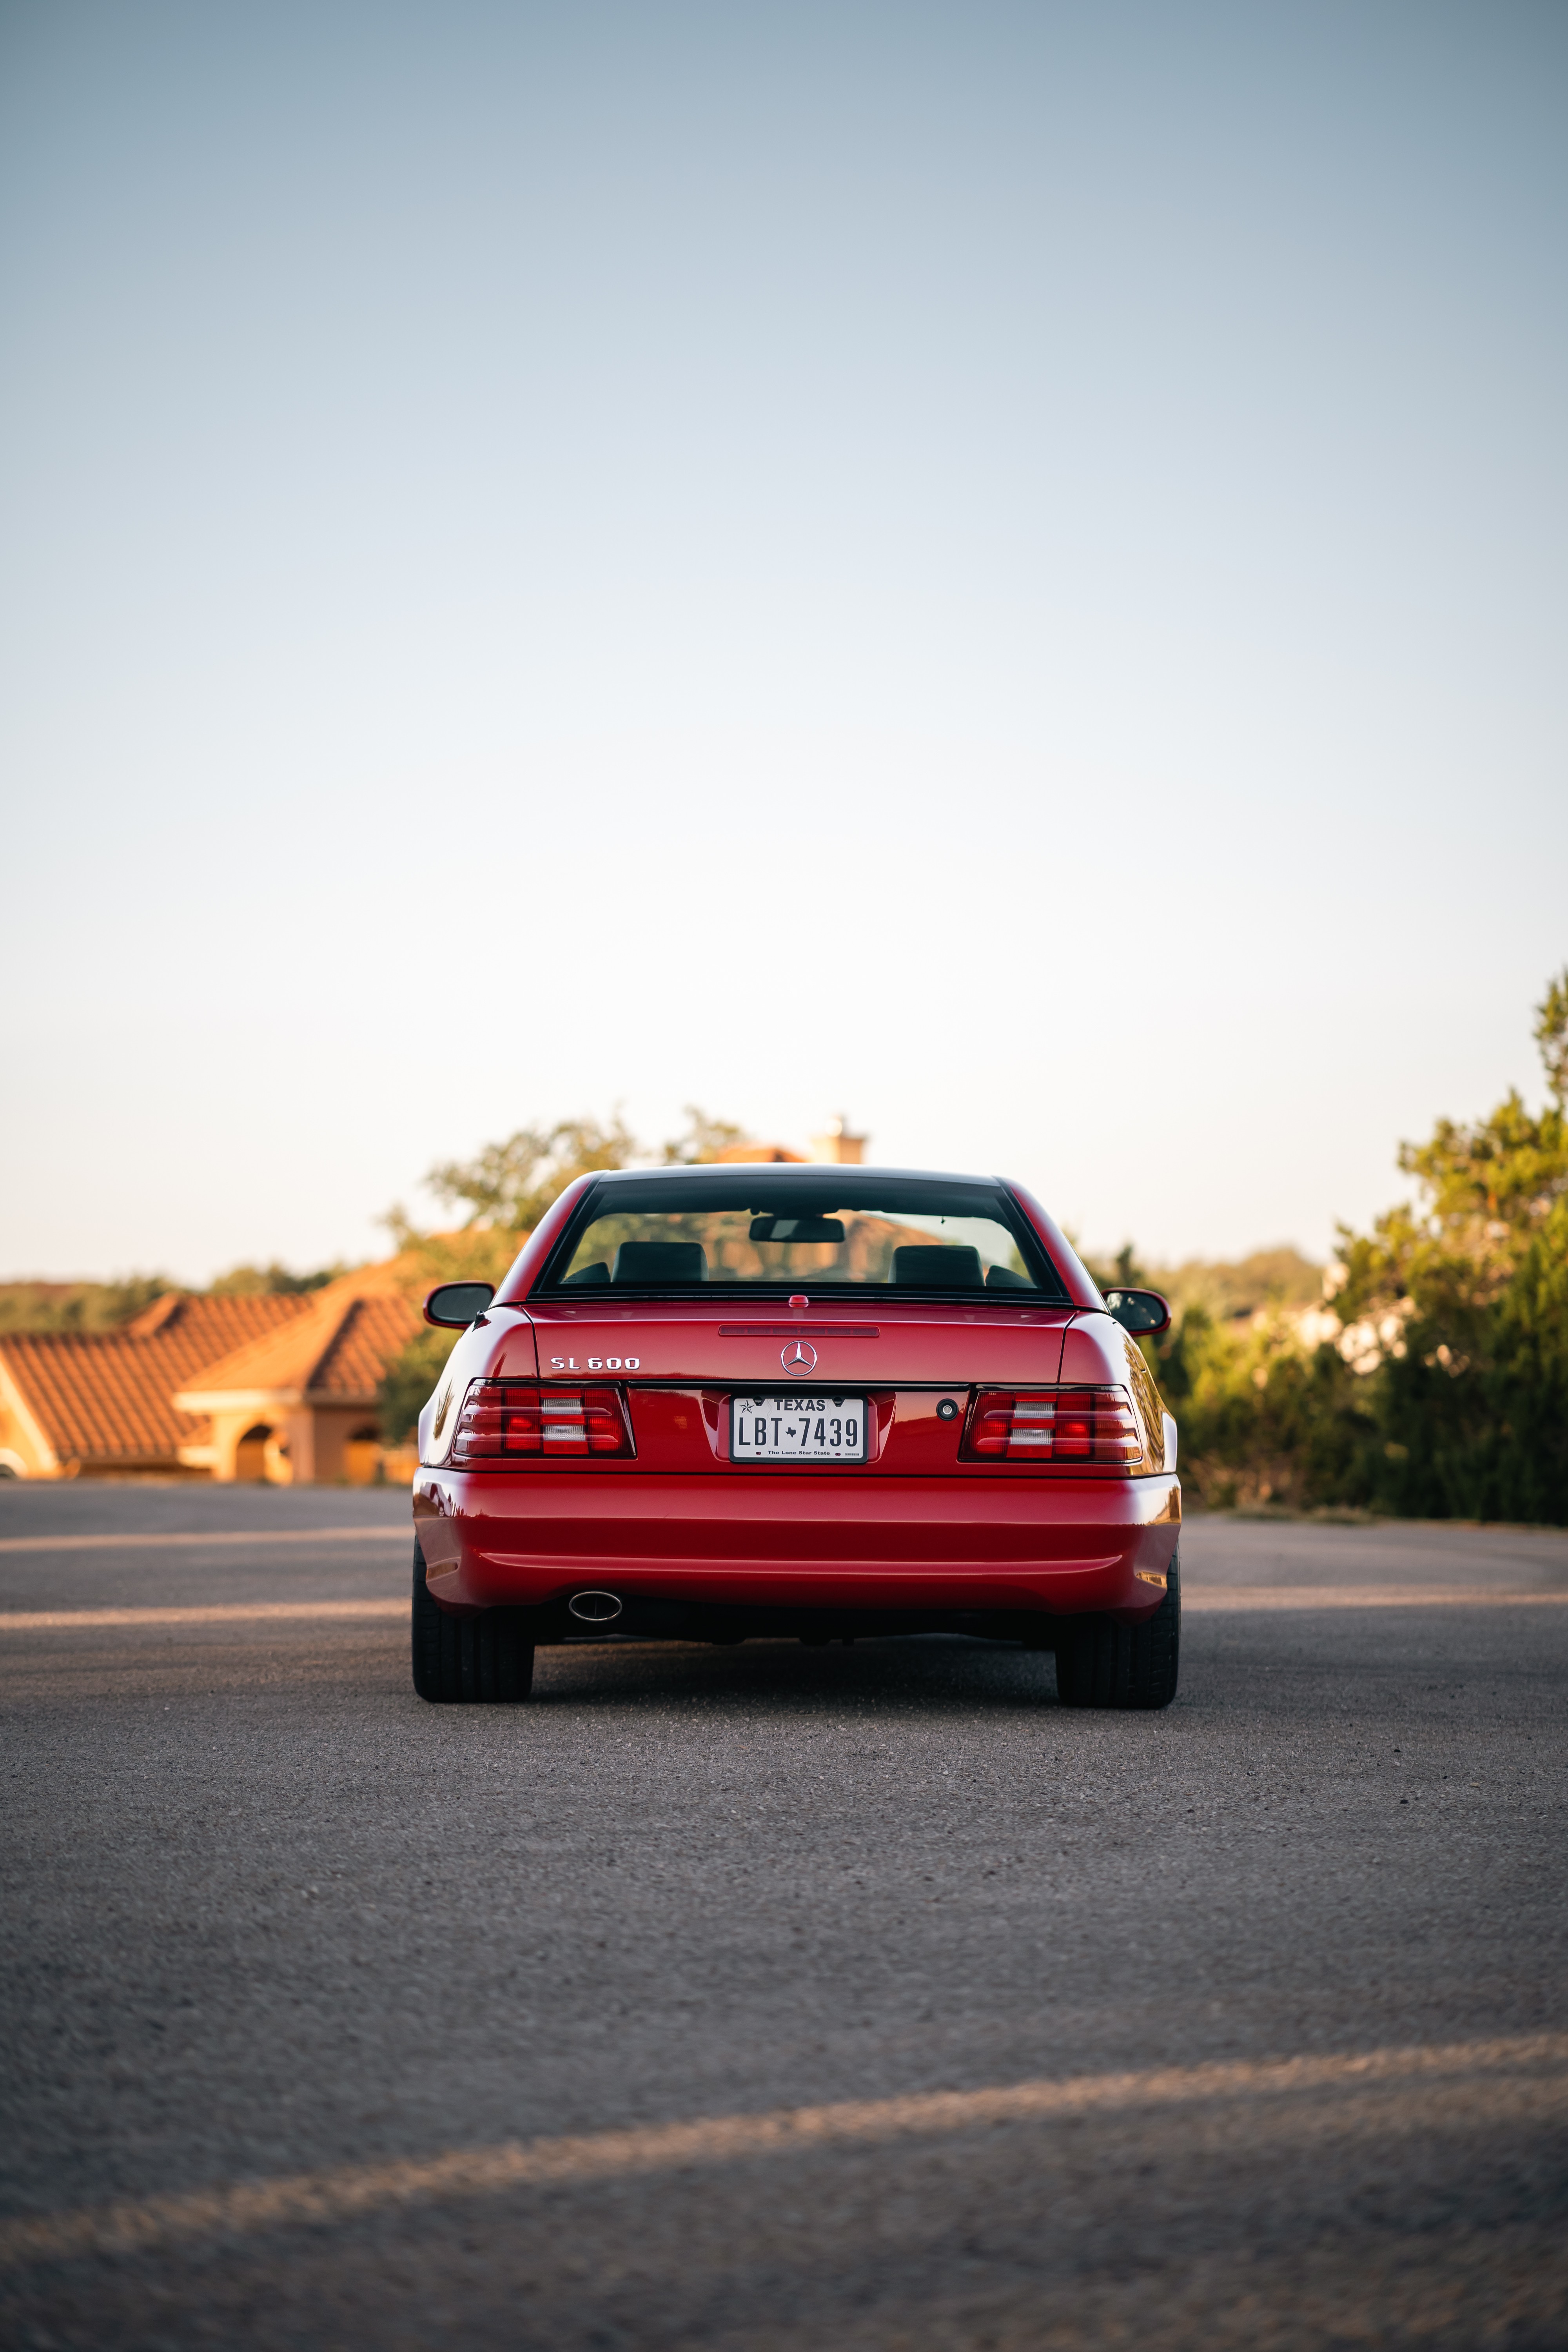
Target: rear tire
{"points": [[484, 1656], [1101, 1663]]}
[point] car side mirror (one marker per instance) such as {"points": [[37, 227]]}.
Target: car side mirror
{"points": [[1143, 1312], [452, 1305]]}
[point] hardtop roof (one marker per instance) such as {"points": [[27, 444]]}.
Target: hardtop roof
{"points": [[799, 1172]]}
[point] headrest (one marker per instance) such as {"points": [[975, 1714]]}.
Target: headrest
{"points": [[941, 1265], [655, 1262]]}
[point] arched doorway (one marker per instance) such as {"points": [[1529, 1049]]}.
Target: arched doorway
{"points": [[251, 1454]]}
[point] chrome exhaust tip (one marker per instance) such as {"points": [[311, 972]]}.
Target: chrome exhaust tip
{"points": [[594, 1608]]}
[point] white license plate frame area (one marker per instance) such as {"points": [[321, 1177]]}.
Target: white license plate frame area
{"points": [[800, 1428]]}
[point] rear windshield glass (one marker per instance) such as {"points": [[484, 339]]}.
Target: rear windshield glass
{"points": [[755, 1231]]}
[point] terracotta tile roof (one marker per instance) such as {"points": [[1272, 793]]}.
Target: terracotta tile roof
{"points": [[108, 1396], [189, 1332], [152, 1318], [371, 1332], [280, 1359], [339, 1348]]}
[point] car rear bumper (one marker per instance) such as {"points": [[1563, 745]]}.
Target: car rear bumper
{"points": [[790, 1541]]}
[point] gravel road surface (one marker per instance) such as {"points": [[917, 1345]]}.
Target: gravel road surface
{"points": [[331, 2019]]}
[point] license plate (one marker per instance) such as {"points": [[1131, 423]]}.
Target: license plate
{"points": [[797, 1429]]}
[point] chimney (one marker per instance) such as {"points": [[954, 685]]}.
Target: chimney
{"points": [[837, 1147]]}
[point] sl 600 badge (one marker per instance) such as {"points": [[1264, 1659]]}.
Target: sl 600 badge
{"points": [[595, 1364]]}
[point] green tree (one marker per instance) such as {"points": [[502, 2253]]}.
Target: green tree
{"points": [[1551, 1034], [506, 1189], [703, 1140], [273, 1281], [1123, 1272], [408, 1380], [79, 1306], [1446, 1394], [1457, 1303], [1263, 1418]]}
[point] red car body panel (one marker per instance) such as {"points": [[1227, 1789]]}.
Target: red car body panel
{"points": [[794, 1539], [741, 1344], [914, 1528]]}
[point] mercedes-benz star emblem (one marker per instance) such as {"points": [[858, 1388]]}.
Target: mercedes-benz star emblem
{"points": [[799, 1358]]}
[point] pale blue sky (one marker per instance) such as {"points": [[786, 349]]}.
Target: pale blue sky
{"points": [[996, 569]]}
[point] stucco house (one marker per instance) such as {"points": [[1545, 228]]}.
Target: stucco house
{"points": [[297, 1405], [275, 1388]]}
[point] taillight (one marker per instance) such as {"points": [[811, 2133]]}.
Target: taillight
{"points": [[1092, 1425], [501, 1419]]}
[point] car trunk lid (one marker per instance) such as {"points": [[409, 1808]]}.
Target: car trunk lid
{"points": [[884, 1343]]}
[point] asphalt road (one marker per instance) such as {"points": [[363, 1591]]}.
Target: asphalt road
{"points": [[331, 2019]]}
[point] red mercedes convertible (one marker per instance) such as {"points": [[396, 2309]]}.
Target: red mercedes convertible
{"points": [[809, 1401]]}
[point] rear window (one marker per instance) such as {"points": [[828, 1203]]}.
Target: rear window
{"points": [[852, 1230]]}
